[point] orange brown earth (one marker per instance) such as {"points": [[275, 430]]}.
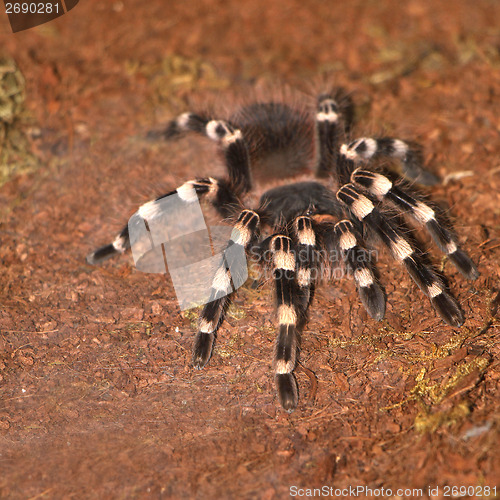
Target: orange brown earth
{"points": [[98, 398]]}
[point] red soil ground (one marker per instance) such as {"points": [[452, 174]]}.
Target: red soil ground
{"points": [[98, 398]]}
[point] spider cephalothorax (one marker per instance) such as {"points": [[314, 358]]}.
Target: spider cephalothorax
{"points": [[306, 225]]}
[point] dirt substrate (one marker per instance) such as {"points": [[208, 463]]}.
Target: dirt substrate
{"points": [[98, 397]]}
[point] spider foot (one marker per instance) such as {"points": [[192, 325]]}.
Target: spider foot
{"points": [[464, 264], [287, 391], [373, 300], [101, 254], [448, 309], [202, 349]]}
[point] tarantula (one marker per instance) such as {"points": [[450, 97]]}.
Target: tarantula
{"points": [[353, 200]]}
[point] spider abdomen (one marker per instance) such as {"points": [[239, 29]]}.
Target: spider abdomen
{"points": [[280, 139]]}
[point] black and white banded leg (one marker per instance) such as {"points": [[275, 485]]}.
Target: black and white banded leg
{"points": [[288, 309], [385, 190], [368, 148], [307, 259], [357, 260], [328, 130], [186, 122], [217, 191], [230, 140], [244, 235], [402, 250]]}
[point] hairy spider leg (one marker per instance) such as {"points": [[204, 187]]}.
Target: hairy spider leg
{"points": [[329, 130], [230, 140], [245, 233], [410, 155], [288, 309], [357, 260], [217, 191], [402, 250], [380, 186], [307, 259]]}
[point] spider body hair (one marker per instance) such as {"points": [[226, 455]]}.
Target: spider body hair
{"points": [[329, 199]]}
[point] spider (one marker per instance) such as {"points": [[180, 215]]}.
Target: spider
{"points": [[333, 197]]}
